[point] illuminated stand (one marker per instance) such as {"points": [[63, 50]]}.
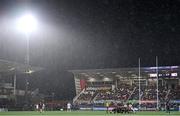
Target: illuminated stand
{"points": [[106, 79]]}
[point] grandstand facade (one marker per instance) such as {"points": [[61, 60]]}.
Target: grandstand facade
{"points": [[12, 97], [122, 86]]}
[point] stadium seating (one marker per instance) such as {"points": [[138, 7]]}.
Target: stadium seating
{"points": [[124, 93], [149, 93], [86, 96], [174, 94], [119, 94]]}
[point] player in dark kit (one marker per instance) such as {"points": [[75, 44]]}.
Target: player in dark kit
{"points": [[40, 107], [168, 107]]}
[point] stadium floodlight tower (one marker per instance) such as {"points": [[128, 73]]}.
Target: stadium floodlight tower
{"points": [[27, 24]]}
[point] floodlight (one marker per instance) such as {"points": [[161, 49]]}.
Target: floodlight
{"points": [[29, 71], [27, 23]]}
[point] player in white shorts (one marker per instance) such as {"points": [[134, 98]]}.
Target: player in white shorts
{"points": [[69, 106]]}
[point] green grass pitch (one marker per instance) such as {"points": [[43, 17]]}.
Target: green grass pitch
{"points": [[84, 113]]}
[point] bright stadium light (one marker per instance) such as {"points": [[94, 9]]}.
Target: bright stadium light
{"points": [[29, 71], [27, 23]]}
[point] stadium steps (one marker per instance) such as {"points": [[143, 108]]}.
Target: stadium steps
{"points": [[132, 93], [94, 96], [167, 94], [76, 97]]}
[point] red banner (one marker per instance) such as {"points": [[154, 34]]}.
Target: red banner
{"points": [[82, 84]]}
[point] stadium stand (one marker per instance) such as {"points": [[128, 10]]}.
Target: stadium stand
{"points": [[121, 86], [174, 94]]}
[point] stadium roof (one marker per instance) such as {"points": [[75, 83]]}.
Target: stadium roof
{"points": [[10, 66], [133, 69], [122, 72], [103, 73]]}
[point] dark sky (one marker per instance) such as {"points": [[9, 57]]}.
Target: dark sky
{"points": [[90, 34]]}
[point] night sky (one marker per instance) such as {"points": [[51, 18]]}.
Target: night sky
{"points": [[91, 34]]}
